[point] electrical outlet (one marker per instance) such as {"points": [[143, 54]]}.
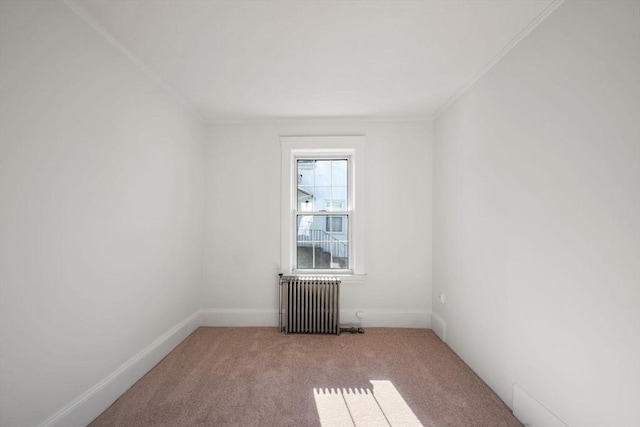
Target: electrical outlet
{"points": [[441, 298], [359, 314]]}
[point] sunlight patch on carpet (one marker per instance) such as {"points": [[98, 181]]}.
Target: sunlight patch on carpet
{"points": [[380, 406]]}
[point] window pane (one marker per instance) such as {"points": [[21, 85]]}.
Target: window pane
{"points": [[322, 196], [305, 172], [322, 185], [338, 199], [339, 173], [305, 199], [333, 223], [323, 172], [322, 241]]}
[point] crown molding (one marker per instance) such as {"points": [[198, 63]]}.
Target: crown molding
{"points": [[78, 10], [316, 120], [517, 39]]}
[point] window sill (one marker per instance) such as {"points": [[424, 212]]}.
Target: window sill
{"points": [[345, 277], [352, 277]]}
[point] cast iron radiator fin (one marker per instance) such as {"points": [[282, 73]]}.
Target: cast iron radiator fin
{"points": [[309, 305]]}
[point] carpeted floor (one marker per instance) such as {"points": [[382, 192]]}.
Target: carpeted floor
{"points": [[260, 377]]}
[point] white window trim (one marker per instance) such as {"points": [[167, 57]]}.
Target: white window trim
{"points": [[294, 147]]}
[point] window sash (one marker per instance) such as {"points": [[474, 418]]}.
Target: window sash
{"points": [[334, 190], [318, 249], [315, 212]]}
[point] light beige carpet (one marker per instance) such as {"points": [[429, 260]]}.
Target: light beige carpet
{"points": [[260, 377]]}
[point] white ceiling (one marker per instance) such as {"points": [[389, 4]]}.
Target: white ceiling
{"points": [[248, 60]]}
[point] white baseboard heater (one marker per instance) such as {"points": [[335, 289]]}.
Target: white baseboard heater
{"points": [[309, 305]]}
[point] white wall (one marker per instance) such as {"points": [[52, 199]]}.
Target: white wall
{"points": [[242, 250], [101, 210], [537, 217]]}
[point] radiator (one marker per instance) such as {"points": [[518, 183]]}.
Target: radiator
{"points": [[309, 305]]}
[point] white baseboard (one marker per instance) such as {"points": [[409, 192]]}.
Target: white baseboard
{"points": [[265, 317], [375, 318], [238, 317], [531, 412], [86, 407], [439, 326]]}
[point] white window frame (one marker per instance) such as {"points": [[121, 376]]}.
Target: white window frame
{"points": [[322, 147]]}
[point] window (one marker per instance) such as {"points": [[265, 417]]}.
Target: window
{"points": [[321, 230], [322, 243]]}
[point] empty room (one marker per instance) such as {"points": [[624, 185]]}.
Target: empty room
{"points": [[320, 213]]}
